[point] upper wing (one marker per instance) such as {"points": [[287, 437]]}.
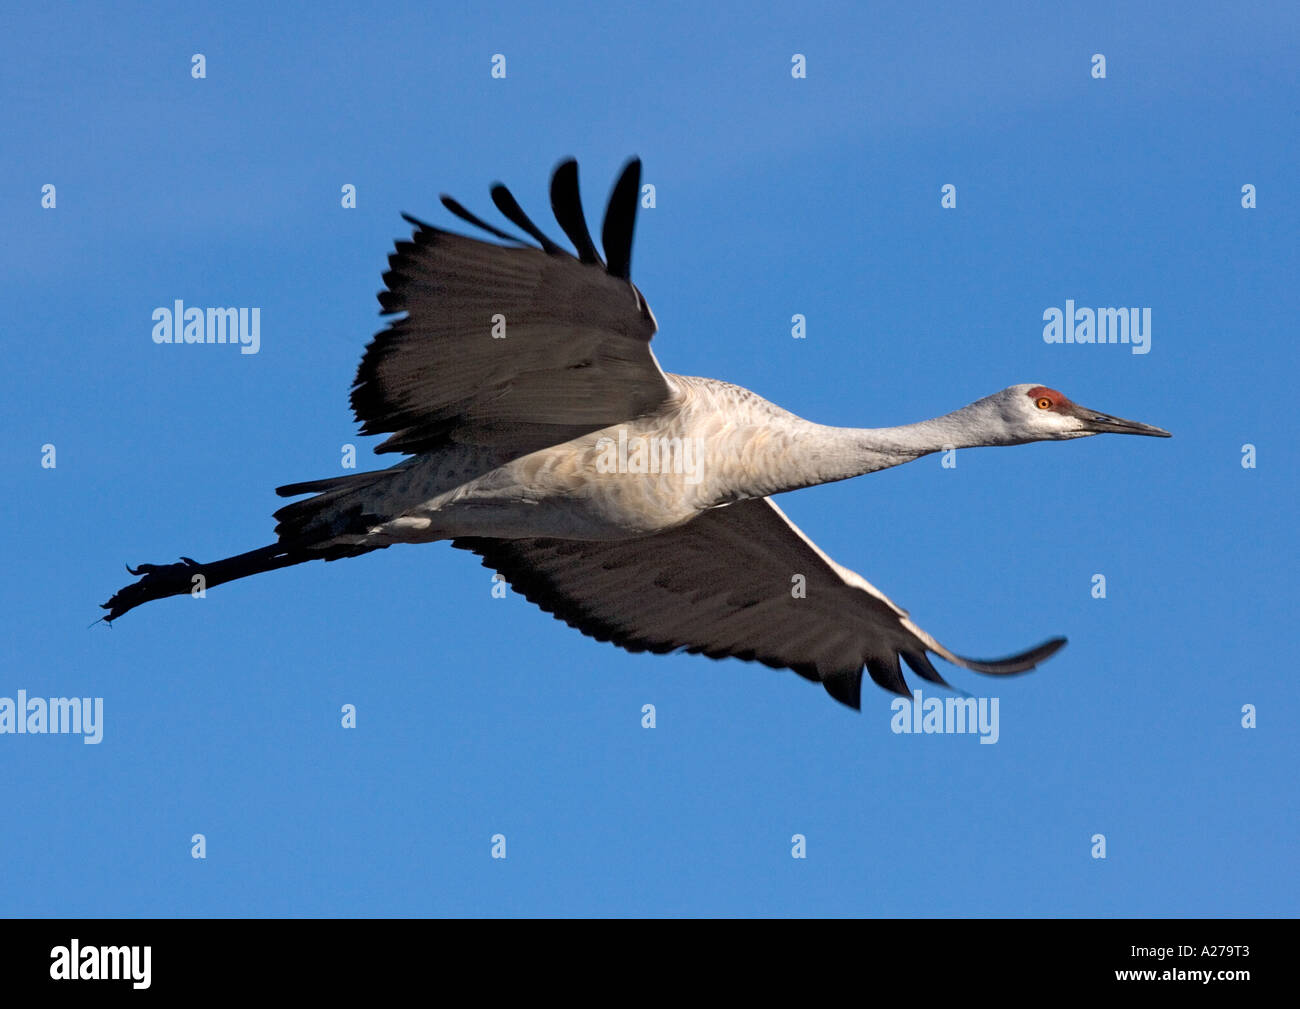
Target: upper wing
{"points": [[724, 584], [511, 345]]}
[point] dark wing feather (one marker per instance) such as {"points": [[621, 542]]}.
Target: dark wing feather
{"points": [[575, 356], [508, 205], [620, 219], [566, 204], [468, 218]]}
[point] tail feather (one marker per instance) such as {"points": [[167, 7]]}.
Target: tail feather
{"points": [[342, 506], [350, 481]]}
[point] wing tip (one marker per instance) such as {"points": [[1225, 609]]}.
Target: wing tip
{"points": [[888, 674], [416, 222], [566, 205], [1022, 662], [620, 220], [845, 689], [506, 203], [616, 232]]}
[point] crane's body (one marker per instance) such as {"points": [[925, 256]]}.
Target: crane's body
{"points": [[542, 434], [711, 444]]}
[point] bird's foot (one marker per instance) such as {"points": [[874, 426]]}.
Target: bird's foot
{"points": [[157, 581]]}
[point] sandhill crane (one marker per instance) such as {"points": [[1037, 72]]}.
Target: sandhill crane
{"points": [[541, 434]]}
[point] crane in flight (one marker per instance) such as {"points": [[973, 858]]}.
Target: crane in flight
{"points": [[540, 433]]}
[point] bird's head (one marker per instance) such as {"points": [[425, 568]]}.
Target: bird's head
{"points": [[1036, 413]]}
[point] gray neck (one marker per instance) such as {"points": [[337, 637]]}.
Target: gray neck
{"points": [[821, 454]]}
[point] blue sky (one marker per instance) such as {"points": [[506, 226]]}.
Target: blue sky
{"points": [[774, 196]]}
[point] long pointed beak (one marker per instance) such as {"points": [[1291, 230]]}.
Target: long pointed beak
{"points": [[1104, 423]]}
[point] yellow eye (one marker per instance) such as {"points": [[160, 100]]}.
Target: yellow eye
{"points": [[1043, 403]]}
